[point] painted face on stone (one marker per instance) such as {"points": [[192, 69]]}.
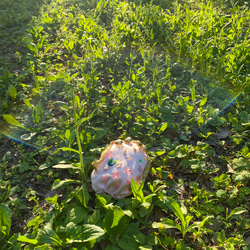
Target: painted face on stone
{"points": [[119, 163]]}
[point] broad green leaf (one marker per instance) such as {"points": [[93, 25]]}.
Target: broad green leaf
{"points": [[127, 243], [114, 222], [27, 240], [87, 232], [172, 154], [240, 163], [67, 134], [11, 120], [99, 133], [12, 91], [133, 77], [76, 215], [160, 152], [221, 193], [245, 151], [200, 120], [190, 108], [102, 200], [94, 218], [77, 100], [203, 101], [71, 44], [32, 48], [137, 190], [5, 220], [58, 183], [108, 220], [47, 235], [181, 246], [232, 119], [118, 213], [71, 229], [83, 195]]}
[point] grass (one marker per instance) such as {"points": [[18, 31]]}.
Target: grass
{"points": [[76, 75]]}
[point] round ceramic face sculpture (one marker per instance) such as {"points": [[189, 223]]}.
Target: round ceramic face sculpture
{"points": [[119, 163]]}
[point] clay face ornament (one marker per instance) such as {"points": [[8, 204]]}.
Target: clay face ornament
{"points": [[119, 163]]}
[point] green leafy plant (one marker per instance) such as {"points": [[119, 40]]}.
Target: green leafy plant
{"points": [[5, 222], [75, 75], [181, 214]]}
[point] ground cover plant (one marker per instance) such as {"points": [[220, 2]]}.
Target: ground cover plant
{"points": [[75, 75]]}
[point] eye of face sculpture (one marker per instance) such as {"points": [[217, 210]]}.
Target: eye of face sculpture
{"points": [[119, 163]]}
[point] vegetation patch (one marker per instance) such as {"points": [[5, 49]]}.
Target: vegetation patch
{"points": [[75, 75]]}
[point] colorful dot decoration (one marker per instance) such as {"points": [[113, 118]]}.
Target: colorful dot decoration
{"points": [[128, 171], [140, 169], [109, 154], [112, 162], [115, 175], [140, 160]]}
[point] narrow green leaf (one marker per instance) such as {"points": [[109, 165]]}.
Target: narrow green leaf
{"points": [[66, 149], [188, 218], [44, 247], [65, 166], [163, 127], [202, 223], [237, 210], [166, 223], [194, 225], [85, 119], [11, 120], [193, 92], [175, 207], [58, 183]]}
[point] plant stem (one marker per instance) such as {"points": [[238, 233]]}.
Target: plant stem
{"points": [[80, 151]]}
